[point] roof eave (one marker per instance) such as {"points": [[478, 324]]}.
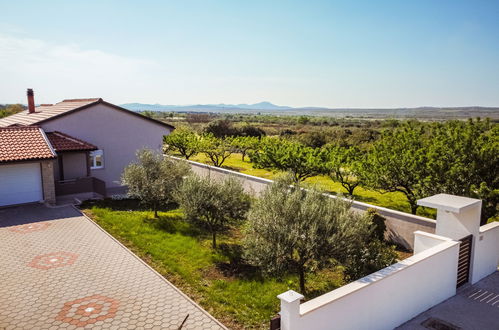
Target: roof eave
{"points": [[101, 101]]}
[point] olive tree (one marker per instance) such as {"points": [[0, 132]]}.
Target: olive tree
{"points": [[153, 178], [293, 230], [372, 253], [215, 204], [182, 140]]}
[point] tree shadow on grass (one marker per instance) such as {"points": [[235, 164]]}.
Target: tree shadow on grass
{"points": [[176, 224], [127, 204], [232, 168], [236, 266]]}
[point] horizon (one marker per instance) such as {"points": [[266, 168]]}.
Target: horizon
{"points": [[356, 55]]}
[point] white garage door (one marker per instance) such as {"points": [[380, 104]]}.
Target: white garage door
{"points": [[20, 183]]}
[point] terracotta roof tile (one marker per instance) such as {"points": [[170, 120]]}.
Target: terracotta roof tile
{"points": [[24, 143], [64, 142]]}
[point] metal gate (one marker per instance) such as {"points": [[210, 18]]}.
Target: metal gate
{"points": [[463, 265]]}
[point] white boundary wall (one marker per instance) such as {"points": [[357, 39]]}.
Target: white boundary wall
{"points": [[486, 251], [385, 299], [400, 225]]}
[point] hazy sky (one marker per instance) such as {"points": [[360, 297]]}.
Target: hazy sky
{"points": [[297, 53]]}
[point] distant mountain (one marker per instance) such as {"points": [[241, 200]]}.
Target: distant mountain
{"points": [[207, 107], [424, 112]]}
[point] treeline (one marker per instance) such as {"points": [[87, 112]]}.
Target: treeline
{"points": [[10, 109], [415, 158]]}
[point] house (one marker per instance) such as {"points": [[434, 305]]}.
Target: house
{"points": [[74, 147]]}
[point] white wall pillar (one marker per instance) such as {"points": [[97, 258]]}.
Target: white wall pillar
{"points": [[424, 241], [290, 310], [457, 217]]}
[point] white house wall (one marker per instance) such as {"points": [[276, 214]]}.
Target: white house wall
{"points": [[115, 132]]}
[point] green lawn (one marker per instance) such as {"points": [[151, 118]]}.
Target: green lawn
{"points": [[392, 200], [233, 292]]}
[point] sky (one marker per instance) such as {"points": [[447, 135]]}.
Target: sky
{"points": [[298, 53]]}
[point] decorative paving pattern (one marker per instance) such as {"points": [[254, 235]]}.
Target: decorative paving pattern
{"points": [[30, 227], [88, 310], [94, 283], [53, 260]]}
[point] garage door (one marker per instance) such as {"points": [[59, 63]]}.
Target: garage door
{"points": [[20, 183]]}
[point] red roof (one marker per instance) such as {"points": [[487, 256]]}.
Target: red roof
{"points": [[24, 143], [64, 142]]}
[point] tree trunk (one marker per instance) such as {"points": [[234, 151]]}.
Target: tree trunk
{"points": [[301, 273], [214, 239], [414, 207], [155, 208]]}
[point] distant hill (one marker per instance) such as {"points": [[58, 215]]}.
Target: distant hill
{"points": [[373, 113], [213, 107]]}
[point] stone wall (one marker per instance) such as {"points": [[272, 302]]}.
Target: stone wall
{"points": [[48, 184]]}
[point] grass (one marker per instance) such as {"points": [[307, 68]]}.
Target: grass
{"points": [[235, 294], [392, 200]]}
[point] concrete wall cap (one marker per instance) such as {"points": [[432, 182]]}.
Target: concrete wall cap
{"points": [[290, 296], [447, 202]]}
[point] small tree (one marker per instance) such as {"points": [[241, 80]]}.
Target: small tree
{"points": [[216, 204], [183, 141], [221, 128], [343, 166], [152, 179], [217, 149], [372, 253], [398, 162], [288, 156], [298, 231], [243, 144]]}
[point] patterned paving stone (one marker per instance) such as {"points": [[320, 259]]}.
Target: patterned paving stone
{"points": [[53, 260], [30, 227], [94, 282]]}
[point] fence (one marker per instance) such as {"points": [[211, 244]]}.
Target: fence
{"points": [[394, 295], [400, 225], [385, 299]]}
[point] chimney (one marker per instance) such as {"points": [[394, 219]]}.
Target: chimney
{"points": [[31, 101]]}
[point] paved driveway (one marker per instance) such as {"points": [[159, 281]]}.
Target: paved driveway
{"points": [[60, 270], [475, 307]]}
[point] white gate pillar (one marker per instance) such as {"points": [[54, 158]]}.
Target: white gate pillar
{"points": [[290, 310], [457, 217]]}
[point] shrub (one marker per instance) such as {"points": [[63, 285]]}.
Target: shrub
{"points": [[152, 179], [215, 204], [292, 230]]}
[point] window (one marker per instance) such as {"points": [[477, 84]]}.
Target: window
{"points": [[96, 159]]}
